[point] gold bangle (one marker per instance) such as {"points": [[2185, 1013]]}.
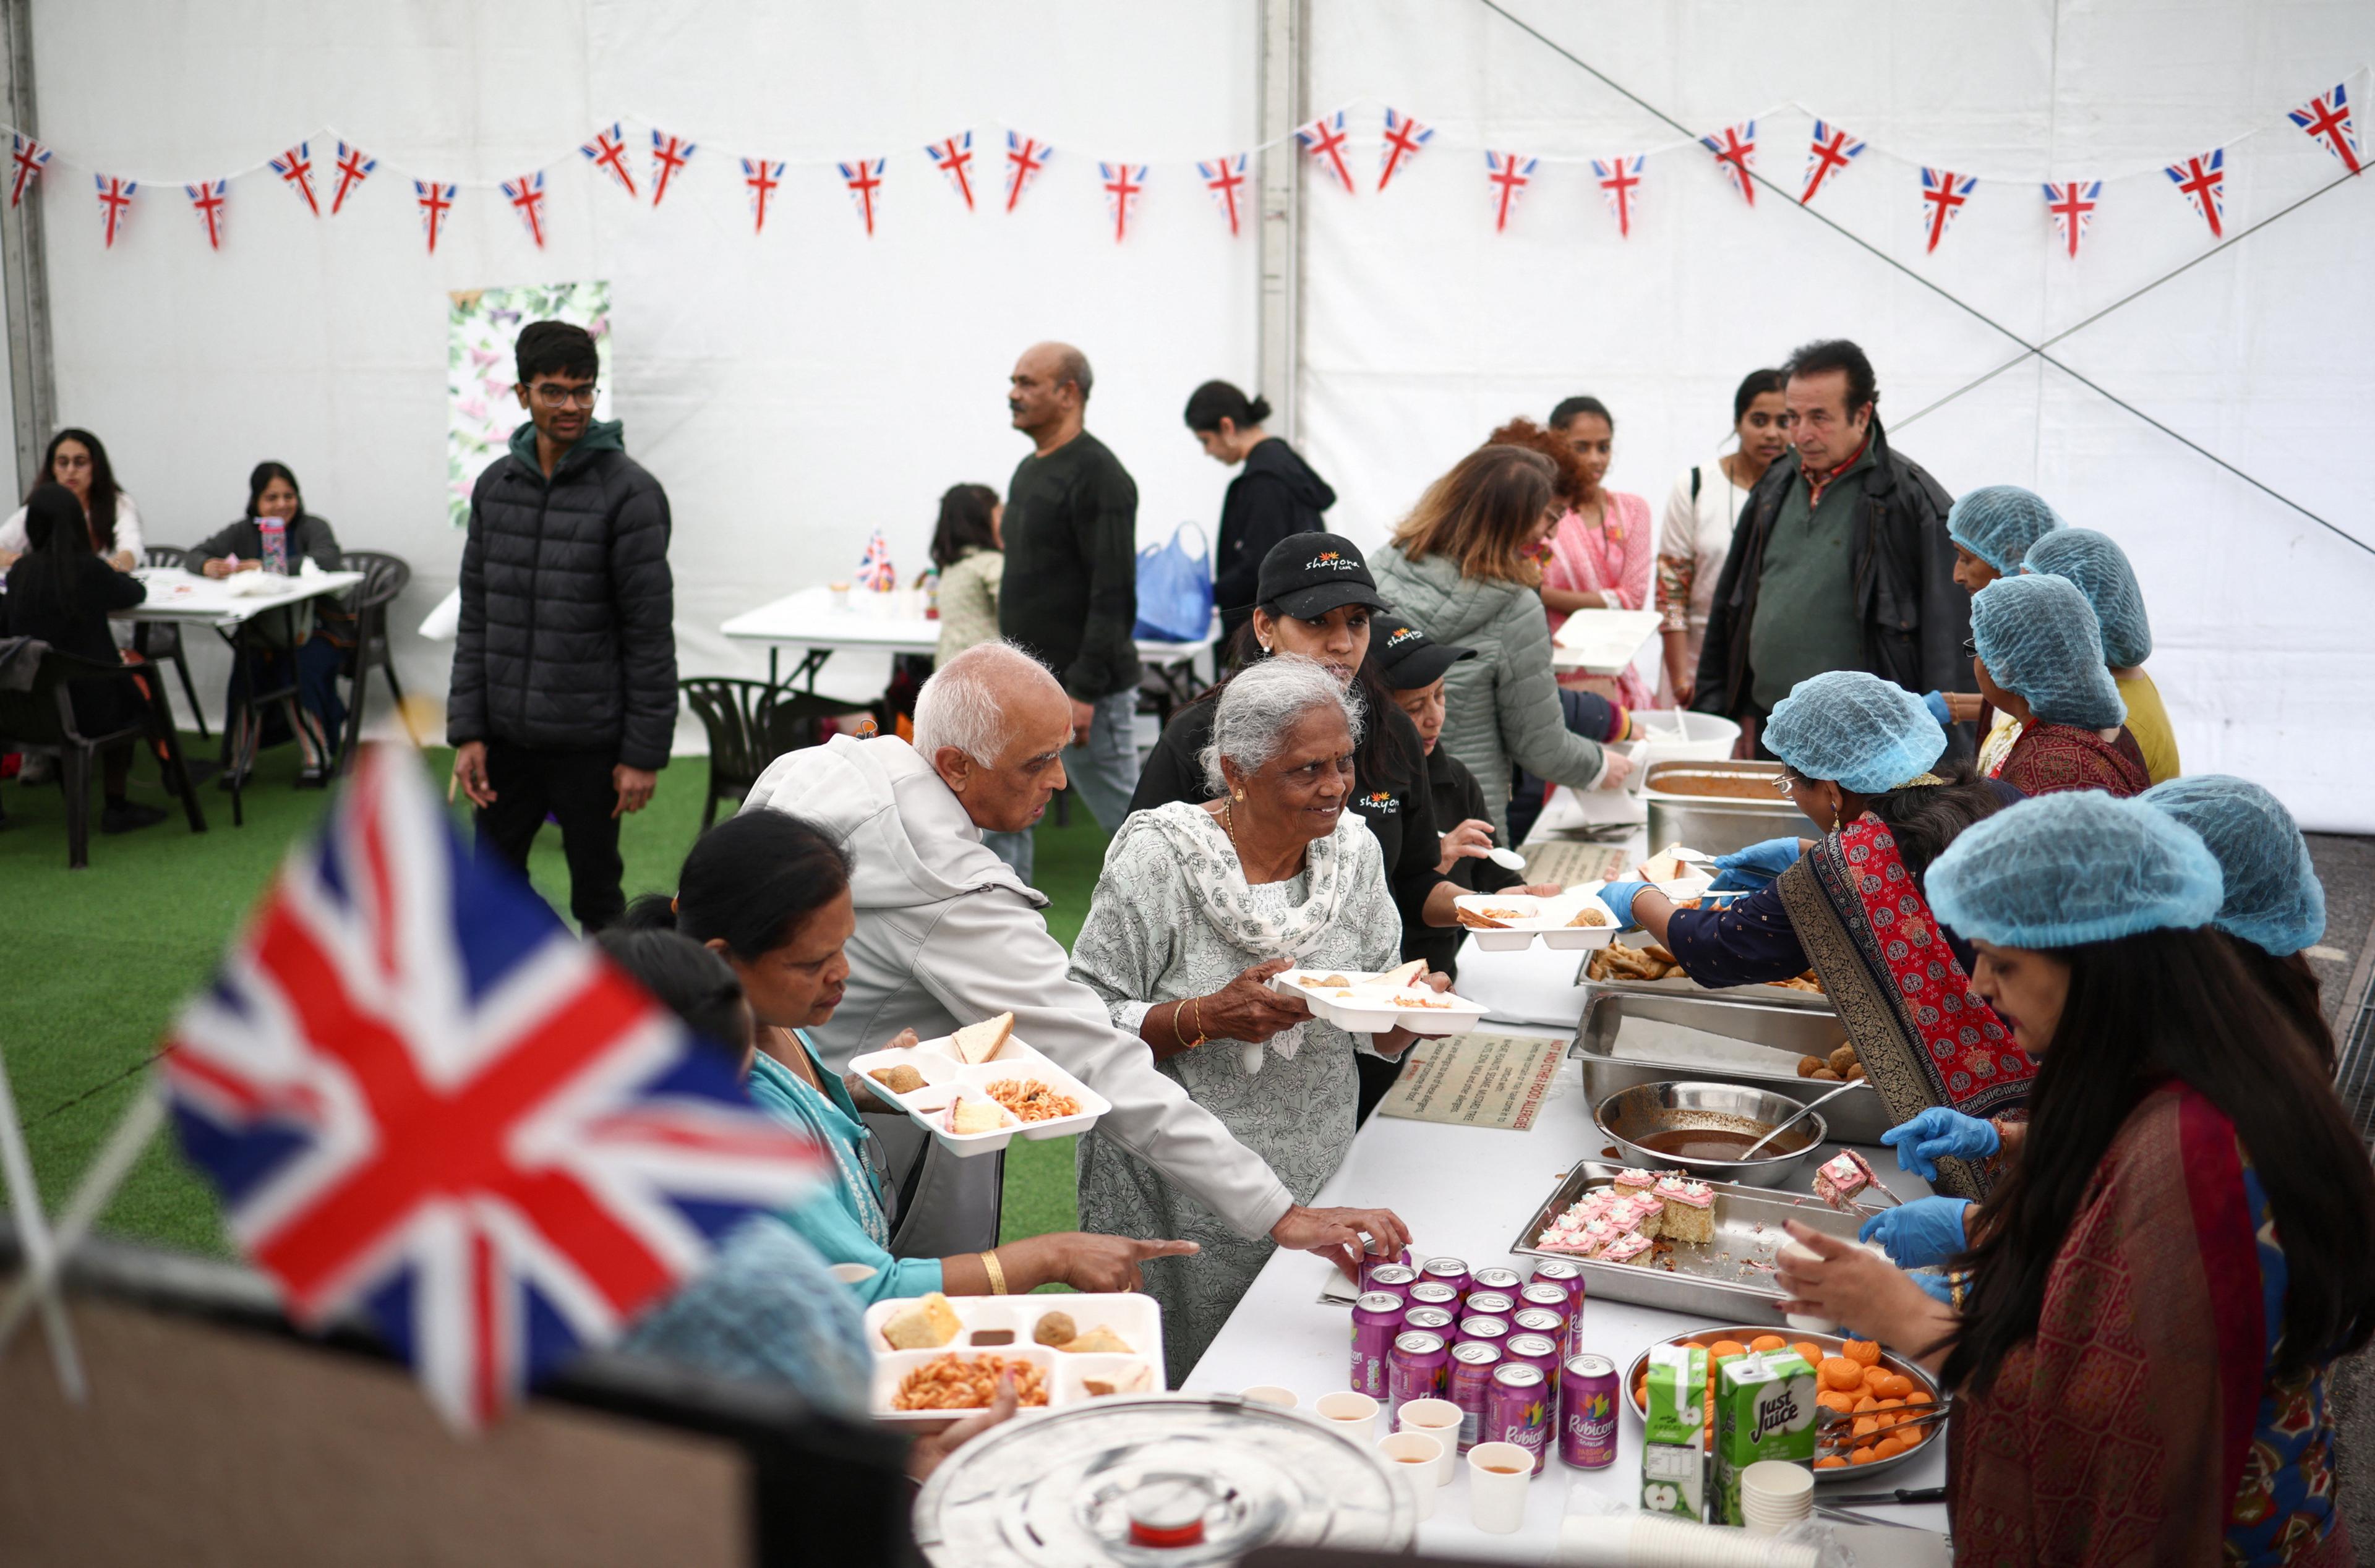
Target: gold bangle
{"points": [[1176, 1008], [996, 1275]]}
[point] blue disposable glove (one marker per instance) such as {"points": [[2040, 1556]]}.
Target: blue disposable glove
{"points": [[1936, 1286], [1936, 702], [1756, 865], [1926, 1230], [1619, 897], [1935, 1133]]}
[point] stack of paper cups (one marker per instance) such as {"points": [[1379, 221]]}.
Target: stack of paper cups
{"points": [[1774, 1495], [1652, 1540]]}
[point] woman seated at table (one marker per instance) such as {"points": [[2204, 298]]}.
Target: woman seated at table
{"points": [[2164, 1277], [1858, 753], [316, 633], [769, 893], [1198, 906], [79, 461], [2040, 658], [2100, 567]]}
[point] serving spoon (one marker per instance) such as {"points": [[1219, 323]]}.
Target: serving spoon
{"points": [[1791, 1119]]}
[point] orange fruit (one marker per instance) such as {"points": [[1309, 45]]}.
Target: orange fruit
{"points": [[1767, 1342], [1865, 1352], [1830, 1462], [1842, 1374], [1863, 1457], [1810, 1350], [1726, 1348], [1897, 1386]]}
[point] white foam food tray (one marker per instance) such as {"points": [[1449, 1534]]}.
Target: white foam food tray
{"points": [[1136, 1319], [946, 1075], [1603, 642], [1376, 1010], [1546, 919]]}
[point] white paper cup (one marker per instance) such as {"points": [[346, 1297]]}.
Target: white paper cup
{"points": [[1793, 1252], [1440, 1419], [1414, 1456], [1498, 1474], [1354, 1415], [1774, 1494], [1271, 1394]]}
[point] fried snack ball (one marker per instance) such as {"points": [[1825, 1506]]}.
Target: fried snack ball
{"points": [[1855, 1073], [1842, 1059], [1809, 1065], [1842, 1374], [1825, 1076], [1055, 1328], [1866, 1351]]}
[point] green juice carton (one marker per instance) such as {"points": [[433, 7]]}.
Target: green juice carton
{"points": [[1764, 1409], [1674, 1446]]}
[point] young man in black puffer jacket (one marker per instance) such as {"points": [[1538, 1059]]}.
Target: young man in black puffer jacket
{"points": [[563, 698]]}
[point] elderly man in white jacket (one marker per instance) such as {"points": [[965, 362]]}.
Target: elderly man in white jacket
{"points": [[948, 934]]}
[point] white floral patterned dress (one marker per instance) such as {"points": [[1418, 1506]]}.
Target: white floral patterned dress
{"points": [[1174, 918]]}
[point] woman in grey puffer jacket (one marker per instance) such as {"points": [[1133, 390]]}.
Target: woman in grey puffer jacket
{"points": [[1465, 567]]}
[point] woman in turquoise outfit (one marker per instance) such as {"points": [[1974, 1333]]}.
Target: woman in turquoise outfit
{"points": [[769, 893]]}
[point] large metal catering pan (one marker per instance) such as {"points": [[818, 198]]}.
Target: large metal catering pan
{"points": [[1682, 986], [1729, 1278], [1628, 1039], [1719, 824]]}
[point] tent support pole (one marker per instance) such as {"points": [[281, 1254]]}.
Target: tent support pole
{"points": [[1285, 91], [24, 265]]}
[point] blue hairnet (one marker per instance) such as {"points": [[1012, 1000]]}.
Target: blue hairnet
{"points": [[2061, 870], [2273, 898], [2036, 636], [1855, 729], [1998, 522], [2100, 568]]}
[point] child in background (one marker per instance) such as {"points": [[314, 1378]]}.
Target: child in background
{"points": [[965, 548]]}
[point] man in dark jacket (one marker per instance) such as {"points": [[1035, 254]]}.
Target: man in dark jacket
{"points": [[1840, 560], [564, 676], [1277, 495]]}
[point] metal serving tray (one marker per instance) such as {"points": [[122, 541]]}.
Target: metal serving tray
{"points": [[1685, 986], [1719, 824], [1729, 1279], [1797, 1032]]}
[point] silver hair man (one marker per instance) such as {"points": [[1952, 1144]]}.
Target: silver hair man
{"points": [[1256, 708], [964, 702]]}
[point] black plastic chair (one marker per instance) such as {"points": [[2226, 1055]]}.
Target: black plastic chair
{"points": [[384, 577], [750, 724], [160, 641], [42, 714]]}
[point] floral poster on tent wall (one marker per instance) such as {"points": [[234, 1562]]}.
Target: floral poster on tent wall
{"points": [[483, 326]]}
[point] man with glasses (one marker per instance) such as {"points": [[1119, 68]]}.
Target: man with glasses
{"points": [[563, 699], [1840, 560]]}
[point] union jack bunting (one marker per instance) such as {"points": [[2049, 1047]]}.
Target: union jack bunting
{"points": [[208, 198], [607, 151], [1618, 177], [354, 168], [295, 167], [526, 196], [874, 569], [2072, 207], [1124, 182], [2202, 180], [1943, 195], [864, 178], [419, 1097], [30, 157], [1404, 136], [668, 155], [1735, 153], [1025, 159], [436, 201], [2326, 118], [1830, 150], [761, 177], [953, 155], [114, 202], [1223, 177], [1509, 175], [1324, 140]]}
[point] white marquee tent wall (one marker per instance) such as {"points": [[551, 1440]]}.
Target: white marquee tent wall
{"points": [[796, 390]]}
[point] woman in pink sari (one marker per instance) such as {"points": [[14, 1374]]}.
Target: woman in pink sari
{"points": [[1605, 549]]}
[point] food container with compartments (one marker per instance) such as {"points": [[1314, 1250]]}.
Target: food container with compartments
{"points": [[1603, 642], [1418, 1006], [1004, 1325], [1552, 921], [946, 1075], [1682, 986], [1628, 1039], [1719, 806]]}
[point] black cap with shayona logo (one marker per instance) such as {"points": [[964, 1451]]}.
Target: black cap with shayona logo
{"points": [[1306, 575], [1408, 659]]}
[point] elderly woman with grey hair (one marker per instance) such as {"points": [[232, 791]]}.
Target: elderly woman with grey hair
{"points": [[1199, 906]]}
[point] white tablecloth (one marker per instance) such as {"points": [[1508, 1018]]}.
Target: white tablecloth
{"points": [[186, 596], [892, 622]]}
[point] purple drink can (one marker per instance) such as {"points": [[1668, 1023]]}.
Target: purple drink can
{"points": [[1433, 1293], [1418, 1369], [1451, 1271], [1544, 1294], [1490, 1304], [1539, 1351], [1391, 1278], [1518, 1409], [1476, 1326], [1542, 1321], [1377, 1319], [1567, 1276], [1471, 1375], [1505, 1280], [1427, 1320], [1587, 1412], [1371, 1263]]}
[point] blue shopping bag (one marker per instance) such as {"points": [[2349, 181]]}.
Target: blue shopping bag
{"points": [[1174, 590]]}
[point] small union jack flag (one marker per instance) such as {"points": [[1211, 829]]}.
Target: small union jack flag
{"points": [[607, 151], [668, 155], [2203, 181], [32, 157], [2326, 118], [295, 167], [1124, 182], [436, 201], [1830, 150], [1222, 178], [419, 1097], [114, 202], [1404, 136], [874, 570], [208, 198], [864, 178], [1025, 159], [526, 196], [953, 155], [1618, 178], [1324, 139], [1509, 175], [353, 169], [1943, 195], [1735, 153], [2072, 207], [763, 177]]}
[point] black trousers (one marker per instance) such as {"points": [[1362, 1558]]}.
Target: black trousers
{"points": [[574, 787]]}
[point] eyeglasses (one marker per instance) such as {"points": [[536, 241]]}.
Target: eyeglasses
{"points": [[554, 395], [1970, 647], [1785, 781]]}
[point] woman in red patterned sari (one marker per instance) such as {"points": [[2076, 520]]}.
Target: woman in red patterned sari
{"points": [[2181, 1247], [2039, 655]]}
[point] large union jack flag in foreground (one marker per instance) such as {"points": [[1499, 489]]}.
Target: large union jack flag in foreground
{"points": [[418, 1095]]}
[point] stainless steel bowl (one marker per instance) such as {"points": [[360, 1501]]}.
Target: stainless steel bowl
{"points": [[1648, 1109]]}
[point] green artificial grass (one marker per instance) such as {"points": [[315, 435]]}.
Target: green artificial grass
{"points": [[100, 961]]}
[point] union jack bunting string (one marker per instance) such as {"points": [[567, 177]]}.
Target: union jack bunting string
{"points": [[1026, 159], [874, 570], [354, 168], [1404, 136], [668, 155], [2326, 118], [1124, 182], [1509, 175], [421, 1097], [526, 196], [436, 201], [114, 202], [1324, 140], [1831, 150], [2072, 207], [953, 155], [864, 178], [30, 158], [208, 198], [1222, 178], [1943, 195], [607, 151], [1735, 153], [1618, 178], [761, 177], [2203, 179], [295, 167]]}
